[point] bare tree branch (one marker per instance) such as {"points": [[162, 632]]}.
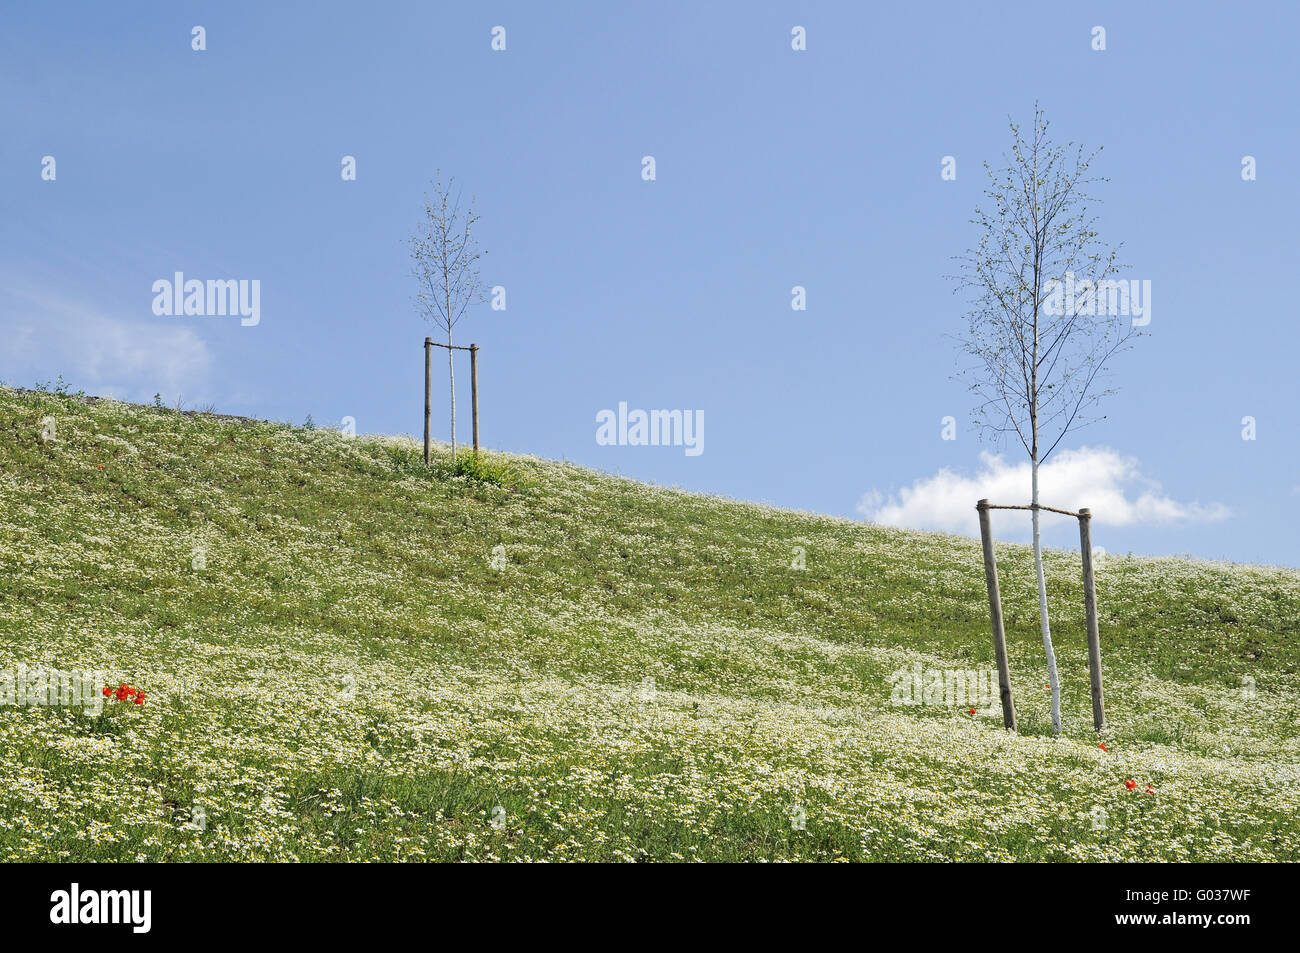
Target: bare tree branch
{"points": [[1038, 229]]}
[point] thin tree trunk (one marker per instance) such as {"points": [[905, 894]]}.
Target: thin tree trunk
{"points": [[1052, 679], [451, 371]]}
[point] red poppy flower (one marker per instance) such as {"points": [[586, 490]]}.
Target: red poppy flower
{"points": [[1102, 746], [972, 711], [1130, 784], [107, 691], [139, 698], [101, 466]]}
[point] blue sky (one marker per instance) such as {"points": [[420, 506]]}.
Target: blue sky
{"points": [[774, 168]]}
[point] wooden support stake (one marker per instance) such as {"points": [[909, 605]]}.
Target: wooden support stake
{"points": [[473, 385], [1090, 607], [995, 613], [428, 393]]}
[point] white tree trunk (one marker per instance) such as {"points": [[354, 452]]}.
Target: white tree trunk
{"points": [[451, 371], [1052, 679]]}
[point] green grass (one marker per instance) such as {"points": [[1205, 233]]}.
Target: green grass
{"points": [[509, 658]]}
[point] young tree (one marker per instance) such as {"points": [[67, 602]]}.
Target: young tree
{"points": [[444, 259], [1038, 342]]}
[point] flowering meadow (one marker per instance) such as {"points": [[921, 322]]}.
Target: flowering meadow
{"points": [[349, 656]]}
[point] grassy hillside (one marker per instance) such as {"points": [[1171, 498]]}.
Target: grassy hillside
{"points": [[378, 661]]}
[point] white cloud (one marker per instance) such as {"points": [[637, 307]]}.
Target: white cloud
{"points": [[46, 334], [1110, 484]]}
